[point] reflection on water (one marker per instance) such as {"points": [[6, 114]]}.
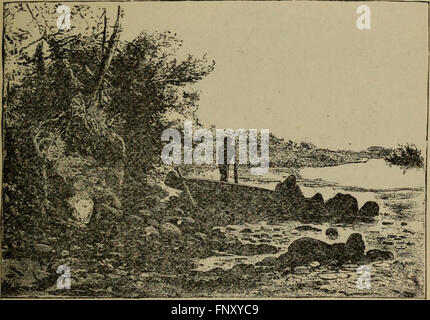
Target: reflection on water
{"points": [[373, 174]]}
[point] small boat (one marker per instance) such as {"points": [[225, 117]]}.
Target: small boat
{"points": [[231, 197]]}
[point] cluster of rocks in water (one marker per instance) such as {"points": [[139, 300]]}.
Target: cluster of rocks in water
{"points": [[341, 208]]}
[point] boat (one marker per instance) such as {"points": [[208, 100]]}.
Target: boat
{"points": [[285, 202], [228, 196]]}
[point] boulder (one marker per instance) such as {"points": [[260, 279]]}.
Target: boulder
{"points": [[313, 210], [369, 210], [268, 261], [378, 255], [306, 250], [317, 198], [303, 251], [307, 228], [342, 207], [82, 207], [288, 191], [354, 247], [332, 233]]}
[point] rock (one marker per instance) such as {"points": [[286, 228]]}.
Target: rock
{"points": [[403, 223], [82, 207], [170, 230], [317, 198], [307, 228], [314, 264], [301, 270], [369, 210], [343, 207], [288, 191], [268, 261], [303, 251], [312, 209], [332, 233], [173, 180], [355, 247], [378, 255]]}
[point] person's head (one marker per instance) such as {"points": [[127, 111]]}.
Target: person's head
{"points": [[354, 247]]}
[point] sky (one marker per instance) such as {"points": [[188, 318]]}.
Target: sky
{"points": [[303, 70]]}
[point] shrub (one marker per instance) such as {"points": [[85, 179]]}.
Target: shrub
{"points": [[406, 157]]}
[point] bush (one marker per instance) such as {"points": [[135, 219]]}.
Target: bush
{"points": [[406, 157]]}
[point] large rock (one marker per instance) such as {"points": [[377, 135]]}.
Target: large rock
{"points": [[354, 247], [82, 207], [288, 190], [332, 233], [369, 210], [342, 207], [378, 255], [317, 198], [303, 251], [314, 209]]}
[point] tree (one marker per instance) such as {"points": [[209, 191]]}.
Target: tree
{"points": [[406, 156]]}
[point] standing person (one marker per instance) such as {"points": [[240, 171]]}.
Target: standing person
{"points": [[224, 167]]}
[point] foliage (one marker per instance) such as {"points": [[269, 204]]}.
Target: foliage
{"points": [[84, 111], [406, 156]]}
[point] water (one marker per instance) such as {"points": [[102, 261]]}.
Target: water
{"points": [[374, 174], [399, 229]]}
